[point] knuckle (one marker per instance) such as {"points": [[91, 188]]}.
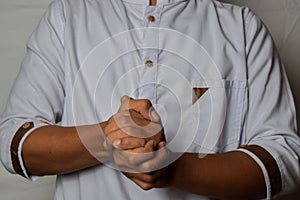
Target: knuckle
{"points": [[149, 178], [123, 113], [127, 131], [157, 128], [132, 159], [131, 131], [141, 142], [110, 138], [125, 142], [145, 103], [147, 167], [146, 186], [117, 159], [149, 149], [135, 132], [121, 121]]}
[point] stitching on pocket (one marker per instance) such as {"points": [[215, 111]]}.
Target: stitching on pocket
{"points": [[232, 122]]}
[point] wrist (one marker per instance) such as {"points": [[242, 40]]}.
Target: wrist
{"points": [[94, 140]]}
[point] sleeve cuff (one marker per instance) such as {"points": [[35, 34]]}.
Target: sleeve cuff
{"points": [[268, 166], [16, 147]]}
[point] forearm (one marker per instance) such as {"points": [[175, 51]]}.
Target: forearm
{"points": [[232, 175], [53, 150]]}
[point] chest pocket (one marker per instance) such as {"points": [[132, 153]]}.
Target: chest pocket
{"points": [[218, 112]]}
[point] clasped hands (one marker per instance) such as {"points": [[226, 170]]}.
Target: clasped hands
{"points": [[138, 142]]}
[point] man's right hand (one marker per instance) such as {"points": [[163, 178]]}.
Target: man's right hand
{"points": [[135, 130], [130, 124]]}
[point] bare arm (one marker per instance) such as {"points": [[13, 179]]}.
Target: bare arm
{"points": [[53, 150], [232, 175]]}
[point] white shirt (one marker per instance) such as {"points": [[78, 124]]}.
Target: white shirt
{"points": [[86, 54]]}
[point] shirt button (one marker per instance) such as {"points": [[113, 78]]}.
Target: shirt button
{"points": [[26, 125], [151, 18], [149, 63]]}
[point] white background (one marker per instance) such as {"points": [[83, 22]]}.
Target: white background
{"points": [[18, 18]]}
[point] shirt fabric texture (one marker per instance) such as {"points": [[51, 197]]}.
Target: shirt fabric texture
{"points": [[86, 54]]}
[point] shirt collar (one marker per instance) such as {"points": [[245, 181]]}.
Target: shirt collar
{"points": [[146, 2]]}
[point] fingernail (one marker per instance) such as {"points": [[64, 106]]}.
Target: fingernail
{"points": [[154, 115], [162, 144], [116, 143], [106, 146]]}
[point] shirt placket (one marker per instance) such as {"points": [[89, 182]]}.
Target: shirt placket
{"points": [[150, 53]]}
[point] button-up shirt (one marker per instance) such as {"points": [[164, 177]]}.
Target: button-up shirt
{"points": [[210, 69]]}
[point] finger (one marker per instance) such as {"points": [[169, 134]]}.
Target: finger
{"points": [[129, 162], [156, 163], [141, 128], [162, 144], [154, 116], [128, 143], [134, 157], [142, 106], [125, 99], [121, 162], [128, 118], [145, 177], [107, 145], [150, 146], [138, 133], [143, 185], [125, 103], [148, 149], [155, 133], [129, 113], [116, 135], [152, 131], [115, 121], [121, 133]]}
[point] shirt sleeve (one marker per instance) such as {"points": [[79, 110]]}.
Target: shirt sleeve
{"points": [[37, 96], [270, 124]]}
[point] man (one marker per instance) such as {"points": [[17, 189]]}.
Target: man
{"points": [[224, 120]]}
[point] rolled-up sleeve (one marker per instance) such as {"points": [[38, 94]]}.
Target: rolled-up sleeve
{"points": [[37, 96], [270, 134]]}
